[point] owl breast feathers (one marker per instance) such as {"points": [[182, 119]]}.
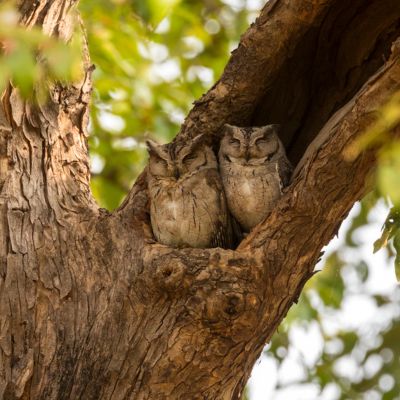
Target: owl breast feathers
{"points": [[187, 202], [254, 169]]}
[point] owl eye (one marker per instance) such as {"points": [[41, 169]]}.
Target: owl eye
{"points": [[260, 141], [189, 158], [234, 142], [162, 162]]}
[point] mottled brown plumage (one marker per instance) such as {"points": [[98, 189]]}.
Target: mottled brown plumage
{"points": [[254, 169], [187, 202]]}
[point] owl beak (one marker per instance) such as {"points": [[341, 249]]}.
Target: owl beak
{"points": [[176, 174], [247, 156]]}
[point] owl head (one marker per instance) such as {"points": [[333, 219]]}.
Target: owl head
{"points": [[250, 146], [177, 160]]}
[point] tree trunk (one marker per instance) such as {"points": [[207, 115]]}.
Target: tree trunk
{"points": [[91, 307]]}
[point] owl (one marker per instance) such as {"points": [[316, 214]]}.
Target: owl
{"points": [[254, 169], [187, 201]]}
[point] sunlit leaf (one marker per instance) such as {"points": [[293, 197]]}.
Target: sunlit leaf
{"points": [[382, 241], [390, 229], [24, 69], [379, 133], [396, 244], [388, 174], [30, 59], [160, 9]]}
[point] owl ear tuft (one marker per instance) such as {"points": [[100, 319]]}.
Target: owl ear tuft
{"points": [[202, 139], [229, 129], [153, 147], [273, 128]]}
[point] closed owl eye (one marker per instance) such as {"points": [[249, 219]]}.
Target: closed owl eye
{"points": [[189, 158], [234, 142], [162, 162], [260, 141]]}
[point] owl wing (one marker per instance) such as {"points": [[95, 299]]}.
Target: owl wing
{"points": [[222, 232], [285, 170], [237, 233], [222, 237]]}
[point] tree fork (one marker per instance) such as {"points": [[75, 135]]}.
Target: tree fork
{"points": [[91, 306]]}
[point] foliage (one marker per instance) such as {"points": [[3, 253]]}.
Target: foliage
{"points": [[353, 357], [153, 59], [387, 175], [29, 58], [391, 230]]}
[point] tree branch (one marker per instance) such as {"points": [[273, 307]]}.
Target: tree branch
{"points": [[238, 298], [50, 134], [296, 65], [263, 50]]}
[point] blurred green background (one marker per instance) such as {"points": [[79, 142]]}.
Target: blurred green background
{"points": [[153, 58]]}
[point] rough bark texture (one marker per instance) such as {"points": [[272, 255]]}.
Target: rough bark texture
{"points": [[90, 306]]}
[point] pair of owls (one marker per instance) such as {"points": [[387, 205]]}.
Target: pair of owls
{"points": [[193, 197]]}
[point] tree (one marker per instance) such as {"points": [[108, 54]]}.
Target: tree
{"points": [[91, 306]]}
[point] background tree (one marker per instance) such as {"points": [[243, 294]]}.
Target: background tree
{"points": [[89, 278]]}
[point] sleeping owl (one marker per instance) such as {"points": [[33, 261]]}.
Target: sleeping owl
{"points": [[254, 169], [187, 202]]}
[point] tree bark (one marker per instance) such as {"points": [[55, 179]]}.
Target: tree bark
{"points": [[91, 307]]}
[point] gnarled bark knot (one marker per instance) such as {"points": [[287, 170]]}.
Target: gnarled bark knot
{"points": [[221, 288]]}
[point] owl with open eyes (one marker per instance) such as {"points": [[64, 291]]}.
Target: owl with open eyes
{"points": [[187, 202], [254, 169]]}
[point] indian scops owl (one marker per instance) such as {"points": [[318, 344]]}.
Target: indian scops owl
{"points": [[187, 202], [254, 169]]}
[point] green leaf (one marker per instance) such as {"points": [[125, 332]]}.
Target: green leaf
{"points": [[396, 244], [4, 74], [330, 284], [24, 69], [388, 173], [63, 59], [382, 241], [379, 132], [154, 11], [160, 9], [390, 228]]}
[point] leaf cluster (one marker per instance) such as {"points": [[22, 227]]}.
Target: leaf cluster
{"points": [[30, 59], [153, 59]]}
